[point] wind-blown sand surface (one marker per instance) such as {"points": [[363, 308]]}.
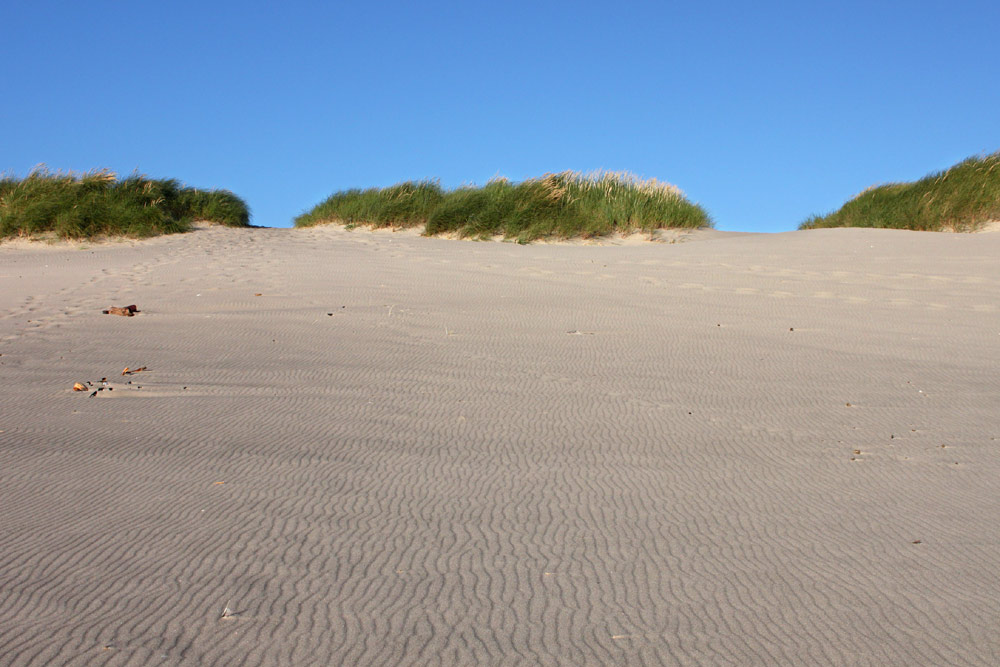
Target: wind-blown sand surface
{"points": [[501, 454]]}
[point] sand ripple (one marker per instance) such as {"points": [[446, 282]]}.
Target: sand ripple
{"points": [[734, 450]]}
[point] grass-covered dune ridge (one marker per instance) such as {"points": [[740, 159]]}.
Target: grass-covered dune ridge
{"points": [[961, 198], [565, 205], [97, 203], [401, 205]]}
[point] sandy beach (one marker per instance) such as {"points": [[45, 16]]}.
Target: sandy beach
{"points": [[374, 448]]}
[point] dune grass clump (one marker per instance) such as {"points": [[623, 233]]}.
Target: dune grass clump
{"points": [[960, 199], [401, 205], [563, 205], [99, 204]]}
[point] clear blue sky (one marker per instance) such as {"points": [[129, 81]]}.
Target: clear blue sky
{"points": [[764, 112]]}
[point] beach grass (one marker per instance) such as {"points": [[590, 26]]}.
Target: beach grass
{"points": [[562, 205], [960, 198], [97, 203], [401, 205]]}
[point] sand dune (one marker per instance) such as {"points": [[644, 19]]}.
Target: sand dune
{"points": [[732, 449]]}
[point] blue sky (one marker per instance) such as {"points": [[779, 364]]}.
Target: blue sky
{"points": [[763, 112]]}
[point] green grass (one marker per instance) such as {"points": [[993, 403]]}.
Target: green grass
{"points": [[961, 198], [401, 205], [98, 204], [563, 205]]}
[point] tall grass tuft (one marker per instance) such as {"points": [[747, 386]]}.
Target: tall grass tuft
{"points": [[401, 205], [563, 205], [961, 198], [97, 203]]}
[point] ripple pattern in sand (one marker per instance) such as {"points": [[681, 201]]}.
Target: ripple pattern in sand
{"points": [[417, 451]]}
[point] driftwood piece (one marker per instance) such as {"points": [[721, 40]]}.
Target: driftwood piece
{"points": [[124, 311]]}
